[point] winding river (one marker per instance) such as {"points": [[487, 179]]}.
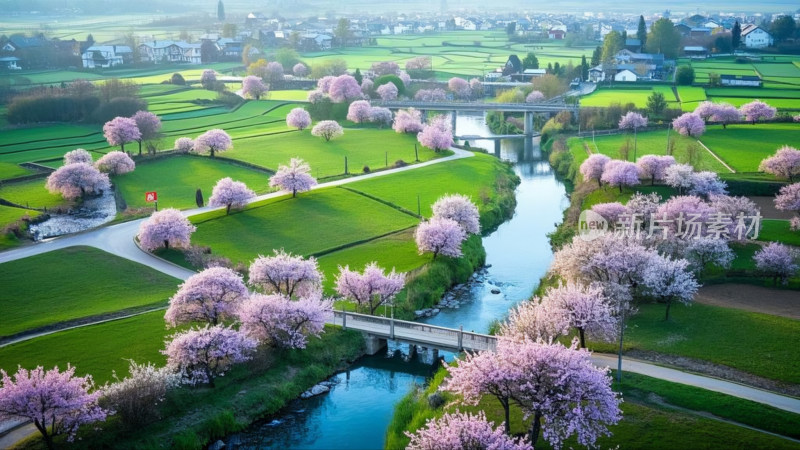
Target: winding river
{"points": [[358, 409]]}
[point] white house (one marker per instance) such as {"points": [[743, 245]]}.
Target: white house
{"points": [[10, 63], [625, 75], [755, 37], [106, 56], [170, 51]]}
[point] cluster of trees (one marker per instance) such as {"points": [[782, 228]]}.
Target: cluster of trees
{"points": [[212, 142], [694, 123], [79, 177], [360, 111], [454, 218]]}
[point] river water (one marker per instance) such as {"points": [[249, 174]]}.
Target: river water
{"points": [[91, 213], [357, 411]]}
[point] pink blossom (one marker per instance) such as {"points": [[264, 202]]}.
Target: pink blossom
{"points": [[620, 173], [298, 118], [381, 116], [279, 322], [457, 431], [788, 198], [388, 91], [705, 251], [430, 95], [724, 113], [459, 208], [643, 206], [202, 354], [440, 236], [56, 402], [794, 223], [344, 88], [166, 228], [654, 167], [115, 163], [535, 97], [796, 118], [367, 85], [184, 144], [76, 180], [253, 86], [689, 124], [208, 78], [437, 135], [385, 68], [419, 63], [735, 208], [632, 120], [324, 83], [300, 70], [530, 320], [679, 176], [148, 124], [273, 72], [120, 130], [785, 163], [610, 211], [707, 183], [757, 110], [585, 309], [669, 280], [592, 168], [78, 155], [459, 87], [327, 129], [213, 141], [405, 78], [778, 261], [370, 289], [230, 194], [705, 110], [407, 121], [315, 96], [358, 111], [686, 214], [476, 87], [286, 274], [295, 177], [212, 296]]}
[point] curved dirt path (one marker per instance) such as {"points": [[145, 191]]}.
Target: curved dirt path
{"points": [[778, 302]]}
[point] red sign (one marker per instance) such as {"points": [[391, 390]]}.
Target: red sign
{"points": [[151, 196]]}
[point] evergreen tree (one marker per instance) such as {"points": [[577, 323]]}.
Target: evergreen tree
{"points": [[663, 38], [530, 61], [358, 76], [641, 32], [736, 35], [89, 40], [584, 68], [598, 51], [220, 11], [612, 44]]}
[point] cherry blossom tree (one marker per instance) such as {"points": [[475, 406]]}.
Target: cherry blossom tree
{"points": [[706, 184], [689, 124], [344, 88], [458, 431], [535, 97], [643, 206], [324, 83], [371, 288], [230, 194], [273, 72], [327, 129], [440, 237], [212, 141], [315, 96], [632, 121], [788, 198], [208, 79], [121, 130], [685, 214], [56, 402], [166, 228], [286, 274], [654, 167], [620, 173], [136, 398], [735, 208], [149, 126], [295, 177], [78, 155], [705, 251], [612, 212], [757, 110], [212, 296], [358, 111], [405, 78], [679, 176], [367, 85], [531, 320], [381, 116], [408, 121], [430, 95], [476, 87], [253, 86], [387, 92], [586, 309], [785, 163], [202, 354], [725, 113], [76, 180], [279, 322], [669, 280], [385, 68], [419, 63], [777, 261], [459, 208], [459, 87], [437, 135], [794, 223], [298, 118], [300, 70], [184, 144], [115, 163], [592, 168], [705, 109]]}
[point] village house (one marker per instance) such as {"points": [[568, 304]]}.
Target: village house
{"points": [[755, 37], [105, 56], [170, 52]]}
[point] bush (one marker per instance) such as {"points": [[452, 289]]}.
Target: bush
{"points": [[325, 109], [436, 400], [401, 87], [120, 106], [366, 169], [136, 398], [32, 109], [399, 163], [684, 75], [177, 79], [229, 99]]}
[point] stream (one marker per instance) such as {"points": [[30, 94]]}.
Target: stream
{"points": [[356, 413], [91, 213]]}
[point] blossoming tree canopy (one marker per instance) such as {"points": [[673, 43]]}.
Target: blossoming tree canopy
{"points": [[459, 208], [286, 274], [327, 129], [76, 180], [457, 431], [277, 321], [121, 130], [440, 236], [296, 177], [212, 141], [166, 228], [208, 296], [115, 163], [371, 288], [230, 194], [689, 124], [298, 118], [78, 155]]}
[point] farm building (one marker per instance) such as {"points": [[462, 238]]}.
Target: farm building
{"points": [[106, 56], [625, 75], [755, 37], [740, 80]]}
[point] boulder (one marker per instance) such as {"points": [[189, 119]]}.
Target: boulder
{"points": [[316, 390], [219, 445], [495, 291]]}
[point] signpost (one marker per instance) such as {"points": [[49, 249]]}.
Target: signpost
{"points": [[151, 196]]}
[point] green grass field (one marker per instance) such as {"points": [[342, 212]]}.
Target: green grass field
{"points": [[31, 193], [75, 282], [10, 170], [773, 230], [177, 178], [744, 146], [313, 222], [10, 214]]}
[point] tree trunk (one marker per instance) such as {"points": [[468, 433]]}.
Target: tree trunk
{"points": [[294, 193], [122, 146], [536, 426], [599, 183], [669, 303], [653, 180], [620, 188], [228, 209], [140, 147], [212, 152], [166, 243], [48, 440], [582, 333], [507, 412]]}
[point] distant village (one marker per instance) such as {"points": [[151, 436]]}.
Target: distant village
{"points": [[247, 37]]}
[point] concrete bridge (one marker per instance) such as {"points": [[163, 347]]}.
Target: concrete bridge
{"points": [[378, 329]]}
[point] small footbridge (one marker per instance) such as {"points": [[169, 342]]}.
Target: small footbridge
{"points": [[377, 330]]}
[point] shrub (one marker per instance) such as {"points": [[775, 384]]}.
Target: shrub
{"points": [[118, 107], [136, 398], [177, 79], [399, 163], [394, 79], [684, 75], [366, 169], [436, 400], [32, 109]]}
